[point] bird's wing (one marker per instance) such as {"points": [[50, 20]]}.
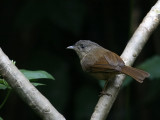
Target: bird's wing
{"points": [[108, 62]]}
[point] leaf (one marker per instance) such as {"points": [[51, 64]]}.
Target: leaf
{"points": [[128, 80], [31, 75], [152, 66], [37, 84], [101, 83], [1, 80], [39, 74], [1, 118], [3, 87]]}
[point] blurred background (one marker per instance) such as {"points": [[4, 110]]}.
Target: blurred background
{"points": [[36, 33]]}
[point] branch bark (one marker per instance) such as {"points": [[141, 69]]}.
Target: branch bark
{"points": [[132, 50], [26, 90]]}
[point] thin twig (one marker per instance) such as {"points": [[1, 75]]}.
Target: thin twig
{"points": [[132, 50]]}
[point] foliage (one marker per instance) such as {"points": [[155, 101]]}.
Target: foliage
{"points": [[39, 74], [33, 76]]}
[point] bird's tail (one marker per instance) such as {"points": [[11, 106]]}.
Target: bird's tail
{"points": [[137, 74]]}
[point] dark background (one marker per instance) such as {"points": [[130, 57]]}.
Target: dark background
{"points": [[35, 34]]}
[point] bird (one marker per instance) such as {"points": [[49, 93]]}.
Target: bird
{"points": [[102, 63]]}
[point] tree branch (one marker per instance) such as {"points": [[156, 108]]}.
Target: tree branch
{"points": [[132, 50], [26, 90]]}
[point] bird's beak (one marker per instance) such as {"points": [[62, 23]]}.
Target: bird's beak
{"points": [[70, 47]]}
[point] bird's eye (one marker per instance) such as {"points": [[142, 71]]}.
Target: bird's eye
{"points": [[82, 46]]}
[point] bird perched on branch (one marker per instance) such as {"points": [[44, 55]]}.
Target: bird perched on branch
{"points": [[102, 63]]}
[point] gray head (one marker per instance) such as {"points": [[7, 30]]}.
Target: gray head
{"points": [[82, 47]]}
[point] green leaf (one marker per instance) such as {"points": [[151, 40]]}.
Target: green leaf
{"points": [[152, 66], [31, 75], [39, 74], [128, 80], [37, 84], [1, 80], [101, 83], [1, 118], [3, 87]]}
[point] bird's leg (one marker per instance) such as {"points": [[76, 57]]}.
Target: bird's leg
{"points": [[103, 92]]}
